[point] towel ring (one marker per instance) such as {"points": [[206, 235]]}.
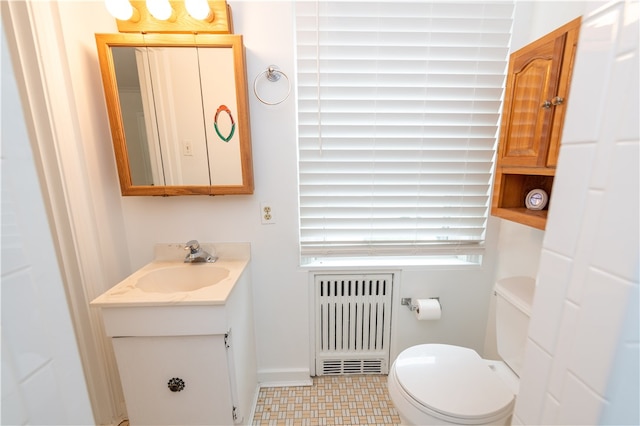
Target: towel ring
{"points": [[272, 74]]}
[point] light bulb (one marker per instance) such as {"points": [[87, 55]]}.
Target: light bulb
{"points": [[199, 9], [160, 9], [119, 9]]}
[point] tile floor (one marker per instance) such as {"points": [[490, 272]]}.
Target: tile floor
{"points": [[332, 400]]}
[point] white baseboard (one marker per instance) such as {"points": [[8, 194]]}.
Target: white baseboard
{"points": [[280, 378]]}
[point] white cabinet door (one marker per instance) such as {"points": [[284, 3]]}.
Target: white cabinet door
{"points": [[146, 366]]}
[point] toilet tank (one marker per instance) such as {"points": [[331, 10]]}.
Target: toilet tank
{"points": [[514, 298]]}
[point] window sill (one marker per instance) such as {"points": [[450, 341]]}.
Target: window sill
{"points": [[391, 262]]}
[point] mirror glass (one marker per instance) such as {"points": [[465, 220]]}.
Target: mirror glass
{"points": [[178, 115]]}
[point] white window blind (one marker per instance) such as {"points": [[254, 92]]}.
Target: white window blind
{"points": [[398, 113]]}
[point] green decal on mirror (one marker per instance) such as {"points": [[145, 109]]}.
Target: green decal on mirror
{"points": [[223, 108]]}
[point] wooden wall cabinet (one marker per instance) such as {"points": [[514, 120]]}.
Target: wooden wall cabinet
{"points": [[164, 113], [536, 95]]}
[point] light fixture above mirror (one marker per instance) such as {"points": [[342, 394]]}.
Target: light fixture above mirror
{"points": [[165, 16]]}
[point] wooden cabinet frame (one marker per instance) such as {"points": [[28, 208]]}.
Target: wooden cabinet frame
{"points": [[536, 97]]}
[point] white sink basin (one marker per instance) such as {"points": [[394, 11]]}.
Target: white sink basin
{"points": [[168, 281], [168, 297], [181, 278]]}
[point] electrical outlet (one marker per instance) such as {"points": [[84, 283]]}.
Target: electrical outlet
{"points": [[267, 214]]}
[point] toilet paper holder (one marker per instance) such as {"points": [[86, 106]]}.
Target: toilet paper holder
{"points": [[407, 301]]}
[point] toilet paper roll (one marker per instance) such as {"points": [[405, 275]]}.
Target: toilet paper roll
{"points": [[427, 309]]}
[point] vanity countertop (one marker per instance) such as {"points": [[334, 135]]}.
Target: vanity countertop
{"points": [[232, 257]]}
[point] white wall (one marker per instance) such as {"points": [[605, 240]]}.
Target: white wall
{"points": [[582, 356]]}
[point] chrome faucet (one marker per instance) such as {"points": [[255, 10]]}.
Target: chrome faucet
{"points": [[197, 254]]}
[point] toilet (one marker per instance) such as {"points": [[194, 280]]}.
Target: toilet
{"points": [[436, 384]]}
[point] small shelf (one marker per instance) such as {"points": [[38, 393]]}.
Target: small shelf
{"points": [[536, 219], [512, 189]]}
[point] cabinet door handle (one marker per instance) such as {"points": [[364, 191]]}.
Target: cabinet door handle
{"points": [[176, 384], [557, 100], [546, 104]]}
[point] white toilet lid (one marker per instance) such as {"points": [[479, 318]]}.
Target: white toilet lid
{"points": [[453, 381]]}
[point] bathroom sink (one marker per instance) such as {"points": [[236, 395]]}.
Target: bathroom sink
{"points": [[168, 297], [167, 286], [181, 278]]}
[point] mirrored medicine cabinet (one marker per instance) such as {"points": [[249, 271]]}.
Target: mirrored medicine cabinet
{"points": [[178, 112]]}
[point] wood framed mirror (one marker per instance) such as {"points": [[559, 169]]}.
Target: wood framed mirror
{"points": [[178, 112]]}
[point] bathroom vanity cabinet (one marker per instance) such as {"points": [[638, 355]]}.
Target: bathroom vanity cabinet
{"points": [[537, 91], [186, 365], [185, 355], [176, 380]]}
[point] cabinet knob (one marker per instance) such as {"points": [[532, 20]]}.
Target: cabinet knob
{"points": [[546, 104], [175, 384], [557, 100]]}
